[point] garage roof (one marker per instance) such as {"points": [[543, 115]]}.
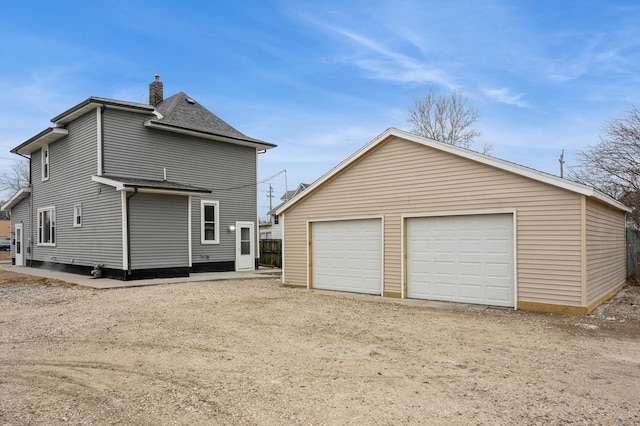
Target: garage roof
{"points": [[461, 152]]}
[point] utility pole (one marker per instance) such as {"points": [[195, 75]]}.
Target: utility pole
{"points": [[270, 195], [561, 160]]}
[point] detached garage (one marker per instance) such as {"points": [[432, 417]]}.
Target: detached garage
{"points": [[410, 217]]}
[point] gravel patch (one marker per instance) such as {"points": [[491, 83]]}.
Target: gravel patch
{"points": [[254, 352]]}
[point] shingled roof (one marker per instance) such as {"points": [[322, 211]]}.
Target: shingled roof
{"points": [[178, 113], [182, 112]]}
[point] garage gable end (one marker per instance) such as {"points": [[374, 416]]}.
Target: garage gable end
{"points": [[461, 152]]}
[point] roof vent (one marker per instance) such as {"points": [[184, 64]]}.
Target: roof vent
{"points": [[191, 101]]}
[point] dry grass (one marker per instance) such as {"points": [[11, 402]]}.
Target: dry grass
{"points": [[14, 278]]}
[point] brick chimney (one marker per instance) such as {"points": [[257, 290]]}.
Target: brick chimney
{"points": [[155, 91]]}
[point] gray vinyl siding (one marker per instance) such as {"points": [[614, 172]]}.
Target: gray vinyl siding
{"points": [[20, 214], [229, 170], [606, 252], [73, 160], [159, 231]]}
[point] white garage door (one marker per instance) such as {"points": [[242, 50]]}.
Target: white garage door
{"points": [[347, 255], [461, 259]]}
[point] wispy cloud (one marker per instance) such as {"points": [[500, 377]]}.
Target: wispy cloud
{"points": [[385, 63], [504, 96]]}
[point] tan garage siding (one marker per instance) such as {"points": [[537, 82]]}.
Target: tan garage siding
{"points": [[402, 177], [606, 255]]}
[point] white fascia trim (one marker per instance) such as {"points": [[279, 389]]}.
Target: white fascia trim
{"points": [[119, 186], [16, 198], [204, 135], [77, 113], [465, 153], [165, 191], [45, 137]]}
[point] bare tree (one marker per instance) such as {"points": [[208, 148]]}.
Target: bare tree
{"points": [[16, 178], [448, 119], [613, 165]]}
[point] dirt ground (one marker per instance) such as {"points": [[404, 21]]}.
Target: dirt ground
{"points": [[253, 352]]}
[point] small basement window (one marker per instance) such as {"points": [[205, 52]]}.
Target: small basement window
{"points": [[77, 216]]}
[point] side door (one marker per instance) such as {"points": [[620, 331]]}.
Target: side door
{"points": [[245, 246], [18, 244]]}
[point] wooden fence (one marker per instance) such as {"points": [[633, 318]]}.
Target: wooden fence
{"points": [[271, 253], [633, 254]]}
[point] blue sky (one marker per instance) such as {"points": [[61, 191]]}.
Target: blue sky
{"points": [[322, 78]]}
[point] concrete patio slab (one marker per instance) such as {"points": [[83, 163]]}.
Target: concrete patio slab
{"points": [[106, 283]]}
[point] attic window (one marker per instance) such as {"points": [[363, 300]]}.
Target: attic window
{"points": [[191, 101]]}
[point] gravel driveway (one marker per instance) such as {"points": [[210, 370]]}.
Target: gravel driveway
{"points": [[253, 352]]}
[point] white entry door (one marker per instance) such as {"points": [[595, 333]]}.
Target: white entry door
{"points": [[18, 247], [245, 246]]}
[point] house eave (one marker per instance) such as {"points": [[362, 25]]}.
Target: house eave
{"points": [[40, 140], [91, 103], [206, 135], [461, 152], [20, 195], [130, 187]]}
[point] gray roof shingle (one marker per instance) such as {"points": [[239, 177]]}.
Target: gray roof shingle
{"points": [[184, 112]]}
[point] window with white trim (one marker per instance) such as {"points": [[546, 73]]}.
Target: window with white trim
{"points": [[47, 226], [77, 215], [45, 162], [209, 222]]}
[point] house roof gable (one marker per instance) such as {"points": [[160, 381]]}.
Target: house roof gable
{"points": [[20, 195], [183, 114], [465, 153]]}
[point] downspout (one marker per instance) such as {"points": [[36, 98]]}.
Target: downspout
{"points": [[135, 191], [100, 138], [30, 245]]}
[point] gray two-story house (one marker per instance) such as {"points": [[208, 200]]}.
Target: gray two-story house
{"points": [[138, 191]]}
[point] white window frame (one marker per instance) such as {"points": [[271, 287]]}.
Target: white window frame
{"points": [[216, 218], [52, 226], [77, 214], [45, 157]]}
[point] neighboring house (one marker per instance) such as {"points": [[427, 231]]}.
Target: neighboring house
{"points": [[409, 217], [5, 229], [143, 190], [271, 229]]}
